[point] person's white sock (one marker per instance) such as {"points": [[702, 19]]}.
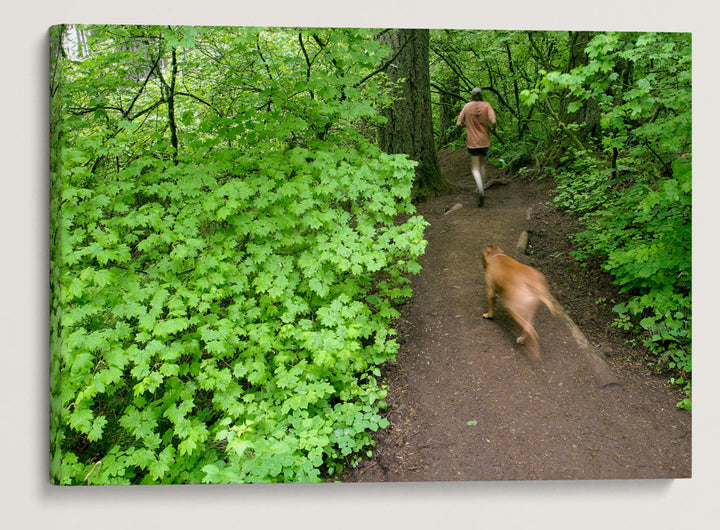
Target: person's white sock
{"points": [[478, 180]]}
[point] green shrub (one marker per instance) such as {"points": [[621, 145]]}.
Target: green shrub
{"points": [[634, 192], [223, 310], [230, 329]]}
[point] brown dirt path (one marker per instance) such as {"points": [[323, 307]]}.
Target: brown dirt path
{"points": [[465, 402]]}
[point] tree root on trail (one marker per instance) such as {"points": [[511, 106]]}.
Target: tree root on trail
{"points": [[486, 186]]}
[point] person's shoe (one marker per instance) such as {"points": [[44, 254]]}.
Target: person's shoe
{"points": [[480, 200]]}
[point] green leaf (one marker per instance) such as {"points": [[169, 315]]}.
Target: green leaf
{"points": [[96, 431], [170, 327]]}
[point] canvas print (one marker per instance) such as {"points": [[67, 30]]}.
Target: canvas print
{"points": [[368, 255]]}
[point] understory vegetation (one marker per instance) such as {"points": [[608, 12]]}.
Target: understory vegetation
{"points": [[632, 184], [227, 279], [230, 246]]}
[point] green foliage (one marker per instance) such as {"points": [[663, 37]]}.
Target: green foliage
{"points": [[502, 63], [635, 191], [225, 307]]}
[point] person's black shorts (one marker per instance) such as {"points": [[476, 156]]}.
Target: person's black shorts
{"points": [[477, 151]]}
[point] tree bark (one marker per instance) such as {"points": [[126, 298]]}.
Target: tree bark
{"points": [[409, 128]]}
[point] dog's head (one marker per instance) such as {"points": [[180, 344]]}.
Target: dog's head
{"points": [[488, 252]]}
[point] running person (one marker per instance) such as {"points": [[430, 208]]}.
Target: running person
{"points": [[478, 117]]}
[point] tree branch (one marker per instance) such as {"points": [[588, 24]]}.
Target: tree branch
{"points": [[668, 169], [142, 88], [540, 56], [307, 58], [452, 66], [196, 98], [148, 109], [79, 111], [447, 92], [563, 127]]}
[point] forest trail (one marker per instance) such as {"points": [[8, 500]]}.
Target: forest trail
{"points": [[464, 400]]}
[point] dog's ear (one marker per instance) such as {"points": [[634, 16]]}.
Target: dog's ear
{"points": [[485, 252]]}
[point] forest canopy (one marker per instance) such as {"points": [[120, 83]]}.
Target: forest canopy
{"points": [[230, 242]]}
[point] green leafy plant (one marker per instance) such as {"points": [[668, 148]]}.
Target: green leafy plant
{"points": [[228, 283], [634, 191]]}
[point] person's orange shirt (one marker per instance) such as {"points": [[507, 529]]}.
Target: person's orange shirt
{"points": [[477, 116]]}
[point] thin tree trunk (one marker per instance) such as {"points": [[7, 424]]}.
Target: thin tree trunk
{"points": [[516, 91], [171, 108]]}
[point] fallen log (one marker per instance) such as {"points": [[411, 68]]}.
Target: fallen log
{"points": [[599, 368], [496, 182]]}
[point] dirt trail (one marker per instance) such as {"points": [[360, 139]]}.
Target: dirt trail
{"points": [[465, 402]]}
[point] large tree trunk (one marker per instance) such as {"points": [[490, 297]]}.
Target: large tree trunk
{"points": [[409, 128]]}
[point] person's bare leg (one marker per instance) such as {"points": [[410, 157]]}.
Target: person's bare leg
{"points": [[483, 167], [477, 167]]}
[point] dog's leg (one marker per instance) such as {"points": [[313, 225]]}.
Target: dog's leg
{"points": [[526, 323], [534, 344], [491, 302]]}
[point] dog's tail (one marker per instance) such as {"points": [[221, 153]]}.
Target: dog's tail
{"points": [[550, 301]]}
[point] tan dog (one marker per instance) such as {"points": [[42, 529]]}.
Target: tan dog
{"points": [[521, 288]]}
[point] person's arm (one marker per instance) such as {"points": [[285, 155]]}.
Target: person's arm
{"points": [[492, 120], [461, 118]]}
